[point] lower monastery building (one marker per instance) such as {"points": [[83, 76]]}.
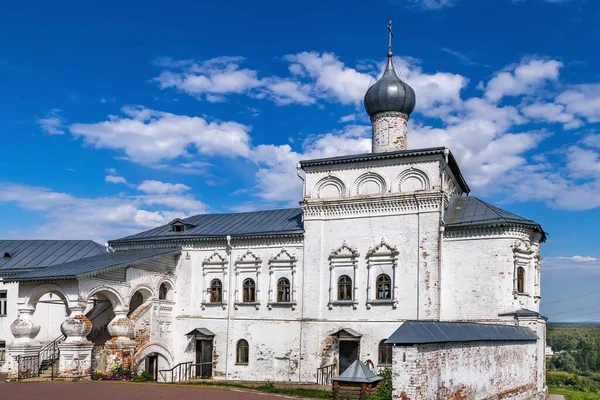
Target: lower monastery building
{"points": [[388, 260]]}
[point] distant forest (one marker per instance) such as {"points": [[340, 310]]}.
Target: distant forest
{"points": [[576, 348]]}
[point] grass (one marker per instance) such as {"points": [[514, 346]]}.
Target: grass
{"points": [[270, 388], [573, 394]]}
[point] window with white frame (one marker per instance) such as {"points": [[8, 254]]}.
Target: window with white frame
{"points": [[247, 282], [282, 276], [523, 254], [3, 303], [2, 352], [214, 273], [343, 263], [381, 275]]}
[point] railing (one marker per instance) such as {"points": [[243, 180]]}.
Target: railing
{"points": [[28, 367], [324, 374], [180, 372]]}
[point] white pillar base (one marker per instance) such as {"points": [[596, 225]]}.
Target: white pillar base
{"points": [[75, 360], [28, 366]]}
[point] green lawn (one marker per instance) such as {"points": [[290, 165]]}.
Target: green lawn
{"points": [[574, 395]]}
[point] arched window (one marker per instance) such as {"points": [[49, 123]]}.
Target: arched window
{"points": [[162, 291], [216, 291], [345, 288], [385, 353], [249, 291], [384, 287], [521, 280], [241, 354], [283, 290]]}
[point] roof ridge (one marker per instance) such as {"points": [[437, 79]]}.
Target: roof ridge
{"points": [[499, 210]]}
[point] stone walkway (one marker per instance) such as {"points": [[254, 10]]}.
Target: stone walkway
{"points": [[130, 391]]}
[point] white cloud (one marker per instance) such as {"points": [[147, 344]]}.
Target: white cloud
{"points": [[524, 78], [158, 187], [571, 263], [52, 123], [148, 137], [114, 179], [100, 218], [551, 112], [583, 101]]}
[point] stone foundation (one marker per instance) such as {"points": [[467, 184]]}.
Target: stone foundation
{"points": [[75, 359]]}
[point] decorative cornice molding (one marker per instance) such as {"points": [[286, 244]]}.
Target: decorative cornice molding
{"points": [[390, 204], [516, 232]]}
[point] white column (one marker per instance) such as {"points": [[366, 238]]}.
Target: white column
{"points": [[76, 351]]}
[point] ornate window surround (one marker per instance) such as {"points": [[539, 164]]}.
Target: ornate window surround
{"points": [[523, 256], [249, 265], [282, 265], [345, 258], [385, 256], [214, 267]]}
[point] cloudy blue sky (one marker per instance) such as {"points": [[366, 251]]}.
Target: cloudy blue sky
{"points": [[119, 116]]}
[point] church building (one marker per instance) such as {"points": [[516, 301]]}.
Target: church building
{"points": [[388, 259]]}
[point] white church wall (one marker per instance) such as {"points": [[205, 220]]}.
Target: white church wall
{"points": [[478, 278], [473, 370]]}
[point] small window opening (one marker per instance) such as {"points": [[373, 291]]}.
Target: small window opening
{"points": [[163, 290], [178, 227], [216, 291], [344, 288], [3, 303], [384, 287], [283, 290], [6, 255], [521, 280], [249, 291], [385, 353], [241, 356]]}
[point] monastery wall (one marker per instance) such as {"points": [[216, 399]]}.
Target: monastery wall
{"points": [[469, 370]]}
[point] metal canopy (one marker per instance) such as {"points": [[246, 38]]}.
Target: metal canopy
{"points": [[357, 372], [347, 332], [422, 332], [200, 332]]}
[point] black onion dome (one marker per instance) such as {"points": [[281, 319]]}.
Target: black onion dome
{"points": [[390, 93]]}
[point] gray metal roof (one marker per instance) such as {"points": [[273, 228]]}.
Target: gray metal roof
{"points": [[390, 93], [357, 372], [269, 223], [523, 313], [348, 331], [452, 164], [26, 254], [200, 331], [421, 332], [471, 211], [91, 266]]}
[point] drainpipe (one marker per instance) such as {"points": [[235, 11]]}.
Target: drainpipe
{"points": [[228, 249], [441, 234]]}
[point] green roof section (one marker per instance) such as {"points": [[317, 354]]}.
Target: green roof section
{"points": [[469, 211]]}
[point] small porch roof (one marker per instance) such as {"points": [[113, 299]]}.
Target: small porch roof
{"points": [[200, 332], [92, 266], [357, 372], [348, 332]]}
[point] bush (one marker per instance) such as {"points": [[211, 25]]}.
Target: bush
{"points": [[118, 372], [143, 377], [385, 388]]}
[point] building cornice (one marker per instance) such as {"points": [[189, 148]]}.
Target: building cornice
{"points": [[357, 206], [480, 232]]}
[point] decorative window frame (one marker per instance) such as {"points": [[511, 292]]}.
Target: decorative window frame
{"points": [[412, 173], [330, 180], [214, 267], [247, 265], [344, 258], [373, 178], [523, 257], [386, 257], [282, 265]]}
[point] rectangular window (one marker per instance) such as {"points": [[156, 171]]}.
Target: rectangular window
{"points": [[2, 352], [3, 308]]}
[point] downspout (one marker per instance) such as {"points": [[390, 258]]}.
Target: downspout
{"points": [[418, 257], [230, 253], [441, 233], [298, 168]]}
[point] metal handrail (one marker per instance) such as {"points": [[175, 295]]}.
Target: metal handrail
{"points": [[183, 370], [324, 374]]}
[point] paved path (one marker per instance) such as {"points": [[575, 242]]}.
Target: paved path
{"points": [[116, 391], [556, 397]]}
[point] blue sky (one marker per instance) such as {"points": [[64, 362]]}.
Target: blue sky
{"points": [[121, 116]]}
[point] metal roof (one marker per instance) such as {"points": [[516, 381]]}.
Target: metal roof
{"points": [[348, 331], [26, 254], [421, 332], [452, 164], [523, 313], [269, 223], [91, 266], [471, 211], [357, 372], [200, 331]]}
